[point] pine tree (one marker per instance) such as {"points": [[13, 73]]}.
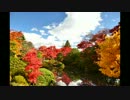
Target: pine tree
{"points": [[67, 44]]}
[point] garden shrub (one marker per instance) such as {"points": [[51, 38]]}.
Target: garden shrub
{"points": [[53, 65], [17, 66], [46, 78], [19, 81]]}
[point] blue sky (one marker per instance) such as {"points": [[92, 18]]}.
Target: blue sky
{"points": [[54, 28]]}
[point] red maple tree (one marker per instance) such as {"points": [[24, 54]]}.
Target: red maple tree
{"points": [[84, 44], [33, 66], [52, 51]]}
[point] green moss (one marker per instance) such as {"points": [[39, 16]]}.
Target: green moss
{"points": [[19, 81], [46, 78], [18, 84], [17, 66]]}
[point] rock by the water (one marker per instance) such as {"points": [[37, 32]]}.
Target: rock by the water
{"points": [[60, 83]]}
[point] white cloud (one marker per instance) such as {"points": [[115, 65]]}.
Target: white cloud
{"points": [[72, 28], [75, 25], [38, 40], [34, 29], [51, 26], [52, 40], [47, 27], [42, 32]]}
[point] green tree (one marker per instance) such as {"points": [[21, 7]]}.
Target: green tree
{"points": [[80, 65], [26, 46], [73, 67], [53, 65], [67, 44]]}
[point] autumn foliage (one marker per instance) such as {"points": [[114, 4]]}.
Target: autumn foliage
{"points": [[98, 61], [15, 47], [18, 36], [16, 39], [52, 51], [33, 66], [65, 50], [84, 44], [49, 52], [98, 37], [109, 55]]}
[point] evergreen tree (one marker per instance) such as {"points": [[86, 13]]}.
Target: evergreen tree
{"points": [[67, 44]]}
